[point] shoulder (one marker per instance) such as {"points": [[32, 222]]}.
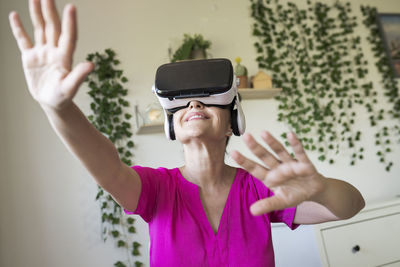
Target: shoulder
{"points": [[157, 175], [155, 171]]}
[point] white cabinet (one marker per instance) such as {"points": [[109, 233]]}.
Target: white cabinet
{"points": [[371, 238]]}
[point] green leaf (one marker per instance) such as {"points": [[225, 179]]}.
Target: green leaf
{"points": [[115, 233], [93, 106], [104, 217], [128, 162], [183, 51], [121, 243], [115, 221], [99, 194], [90, 57], [119, 264], [135, 250]]}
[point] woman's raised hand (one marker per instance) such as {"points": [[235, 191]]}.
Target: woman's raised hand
{"points": [[292, 180], [47, 63]]}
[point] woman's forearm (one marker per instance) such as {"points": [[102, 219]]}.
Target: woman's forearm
{"points": [[340, 198], [93, 149]]}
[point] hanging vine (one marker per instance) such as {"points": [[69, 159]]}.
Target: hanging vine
{"points": [[385, 135], [316, 58], [110, 118]]}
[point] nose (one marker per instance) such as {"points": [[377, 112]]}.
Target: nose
{"points": [[196, 104]]}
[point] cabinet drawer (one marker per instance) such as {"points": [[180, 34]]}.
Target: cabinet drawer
{"points": [[371, 242], [392, 264]]}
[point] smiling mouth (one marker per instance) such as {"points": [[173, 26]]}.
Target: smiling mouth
{"points": [[197, 117]]}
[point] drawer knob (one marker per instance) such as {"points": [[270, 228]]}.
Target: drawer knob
{"points": [[355, 249]]}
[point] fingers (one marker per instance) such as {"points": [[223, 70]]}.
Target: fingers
{"points": [[273, 177], [74, 79], [52, 21], [283, 173], [19, 32], [252, 167], [288, 172], [276, 146], [35, 12], [68, 35], [266, 205], [298, 148], [262, 153]]}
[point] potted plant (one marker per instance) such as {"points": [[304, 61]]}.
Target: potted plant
{"points": [[193, 47], [241, 73]]}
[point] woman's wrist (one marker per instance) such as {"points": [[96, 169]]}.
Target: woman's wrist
{"points": [[60, 110], [319, 196]]}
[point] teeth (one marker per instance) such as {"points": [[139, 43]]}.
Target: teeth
{"points": [[195, 117]]}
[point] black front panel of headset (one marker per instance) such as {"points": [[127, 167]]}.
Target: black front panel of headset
{"points": [[194, 78]]}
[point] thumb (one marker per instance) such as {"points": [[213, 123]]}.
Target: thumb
{"points": [[75, 78], [267, 205]]}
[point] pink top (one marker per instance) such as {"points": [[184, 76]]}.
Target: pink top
{"points": [[181, 235]]}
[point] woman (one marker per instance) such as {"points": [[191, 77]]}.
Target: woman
{"points": [[204, 213]]}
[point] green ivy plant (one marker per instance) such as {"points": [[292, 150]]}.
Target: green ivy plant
{"points": [[108, 105], [315, 56], [387, 81], [189, 44]]}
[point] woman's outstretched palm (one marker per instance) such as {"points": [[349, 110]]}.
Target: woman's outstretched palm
{"points": [[47, 63], [292, 180]]}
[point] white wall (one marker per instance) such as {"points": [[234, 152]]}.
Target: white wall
{"points": [[48, 216]]}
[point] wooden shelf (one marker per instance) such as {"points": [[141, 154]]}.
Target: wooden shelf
{"points": [[251, 93], [151, 128]]}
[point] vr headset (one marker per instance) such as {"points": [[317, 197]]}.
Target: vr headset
{"points": [[210, 81]]}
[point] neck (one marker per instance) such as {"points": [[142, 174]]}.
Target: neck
{"points": [[205, 166]]}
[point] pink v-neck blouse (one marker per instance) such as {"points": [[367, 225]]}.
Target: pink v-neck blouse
{"points": [[181, 235]]}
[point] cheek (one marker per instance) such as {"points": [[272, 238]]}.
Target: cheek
{"points": [[178, 115], [222, 123], [225, 120], [177, 121]]}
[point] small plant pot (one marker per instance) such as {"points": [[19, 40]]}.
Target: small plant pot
{"points": [[198, 54], [243, 81]]}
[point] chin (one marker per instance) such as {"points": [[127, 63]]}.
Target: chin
{"points": [[198, 135], [191, 134]]}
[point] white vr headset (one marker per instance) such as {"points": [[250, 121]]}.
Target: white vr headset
{"points": [[209, 81]]}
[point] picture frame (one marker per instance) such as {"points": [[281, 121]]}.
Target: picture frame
{"points": [[389, 27]]}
